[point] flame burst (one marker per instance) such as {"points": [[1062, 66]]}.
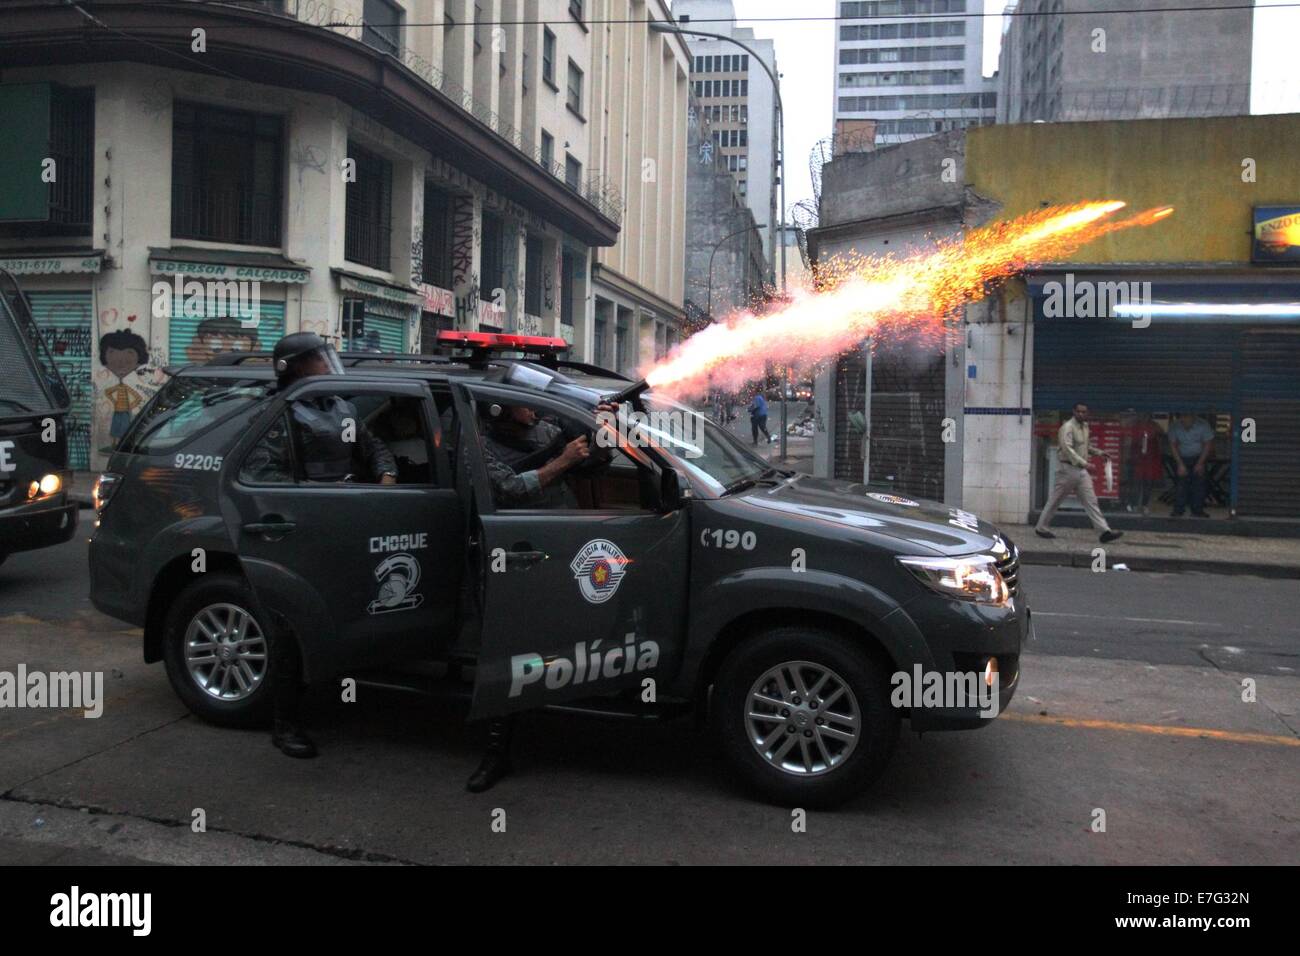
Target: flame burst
{"points": [[882, 296]]}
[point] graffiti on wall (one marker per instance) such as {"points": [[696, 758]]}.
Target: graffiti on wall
{"points": [[123, 353], [417, 255], [462, 242]]}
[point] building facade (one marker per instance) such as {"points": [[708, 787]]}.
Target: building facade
{"points": [[187, 179], [736, 96], [725, 268], [638, 120], [1193, 315], [1118, 63], [913, 66]]}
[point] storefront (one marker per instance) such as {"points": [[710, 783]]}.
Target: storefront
{"points": [[64, 311], [378, 316], [1221, 350]]}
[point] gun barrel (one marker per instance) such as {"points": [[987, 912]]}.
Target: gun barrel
{"points": [[631, 393]]}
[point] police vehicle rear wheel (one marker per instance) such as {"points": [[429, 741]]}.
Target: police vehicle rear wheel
{"points": [[804, 716], [217, 653]]}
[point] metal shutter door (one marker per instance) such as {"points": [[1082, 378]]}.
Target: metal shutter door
{"points": [[65, 320], [1268, 476]]}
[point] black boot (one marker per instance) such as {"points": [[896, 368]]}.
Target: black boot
{"points": [[292, 742], [496, 761]]}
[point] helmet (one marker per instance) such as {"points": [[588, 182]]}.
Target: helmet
{"points": [[293, 353]]}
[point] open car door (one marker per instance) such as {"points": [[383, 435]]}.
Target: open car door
{"points": [[576, 602]]}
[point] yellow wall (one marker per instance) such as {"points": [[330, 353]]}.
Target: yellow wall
{"points": [[1194, 165]]}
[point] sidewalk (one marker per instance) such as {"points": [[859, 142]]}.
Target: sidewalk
{"points": [[1162, 551]]}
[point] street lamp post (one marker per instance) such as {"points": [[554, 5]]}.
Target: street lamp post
{"points": [[662, 26], [716, 247]]}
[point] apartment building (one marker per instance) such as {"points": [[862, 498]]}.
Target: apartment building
{"points": [[913, 66]]}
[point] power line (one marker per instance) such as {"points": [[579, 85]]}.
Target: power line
{"points": [[686, 27]]}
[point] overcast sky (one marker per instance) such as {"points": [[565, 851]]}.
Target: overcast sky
{"points": [[805, 53]]}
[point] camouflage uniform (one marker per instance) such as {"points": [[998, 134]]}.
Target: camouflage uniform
{"points": [[503, 448]]}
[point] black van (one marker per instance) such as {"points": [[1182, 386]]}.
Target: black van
{"points": [[35, 509], [677, 573]]}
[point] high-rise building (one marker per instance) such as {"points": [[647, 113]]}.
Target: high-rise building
{"points": [[738, 101], [913, 66], [1119, 62]]}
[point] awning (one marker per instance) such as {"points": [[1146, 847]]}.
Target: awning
{"points": [[379, 292], [49, 263], [221, 264]]}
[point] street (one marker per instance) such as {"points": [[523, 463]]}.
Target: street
{"points": [[1130, 703]]}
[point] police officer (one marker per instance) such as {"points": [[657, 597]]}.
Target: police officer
{"points": [[514, 434], [333, 445]]}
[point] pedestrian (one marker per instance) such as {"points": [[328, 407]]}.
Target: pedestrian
{"points": [[1191, 440], [758, 417], [1072, 478]]}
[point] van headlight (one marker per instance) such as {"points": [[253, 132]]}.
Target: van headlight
{"points": [[972, 578]]}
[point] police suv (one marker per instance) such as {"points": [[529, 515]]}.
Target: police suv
{"points": [[674, 569]]}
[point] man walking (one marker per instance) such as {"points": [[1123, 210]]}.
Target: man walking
{"points": [[1072, 476], [758, 417]]}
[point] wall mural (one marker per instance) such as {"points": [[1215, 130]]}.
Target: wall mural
{"points": [[122, 352]]}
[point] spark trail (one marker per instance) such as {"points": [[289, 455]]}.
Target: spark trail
{"points": [[883, 296]]}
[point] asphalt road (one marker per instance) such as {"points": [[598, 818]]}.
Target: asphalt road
{"points": [[1131, 703]]}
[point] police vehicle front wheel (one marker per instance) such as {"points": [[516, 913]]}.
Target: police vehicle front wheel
{"points": [[804, 716], [218, 654]]}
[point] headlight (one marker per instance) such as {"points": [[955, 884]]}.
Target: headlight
{"points": [[974, 578], [48, 485]]}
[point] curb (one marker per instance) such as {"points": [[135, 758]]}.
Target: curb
{"points": [[1155, 563]]}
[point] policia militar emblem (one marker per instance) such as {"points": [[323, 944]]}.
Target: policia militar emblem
{"points": [[598, 567]]}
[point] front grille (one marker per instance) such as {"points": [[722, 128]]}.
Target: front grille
{"points": [[1009, 568]]}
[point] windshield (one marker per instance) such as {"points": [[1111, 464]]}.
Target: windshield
{"points": [[186, 406], [704, 449], [29, 379]]}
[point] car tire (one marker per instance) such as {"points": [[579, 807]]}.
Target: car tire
{"points": [[204, 606], [803, 777]]}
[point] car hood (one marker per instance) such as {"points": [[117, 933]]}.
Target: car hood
{"points": [[917, 524]]}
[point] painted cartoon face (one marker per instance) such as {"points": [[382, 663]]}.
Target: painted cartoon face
{"points": [[121, 362]]}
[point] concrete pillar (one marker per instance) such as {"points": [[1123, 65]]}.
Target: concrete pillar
{"points": [[466, 257], [514, 266], [550, 286]]}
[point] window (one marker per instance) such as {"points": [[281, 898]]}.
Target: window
{"points": [[226, 175], [186, 406], [381, 25], [574, 98], [368, 224], [478, 29], [436, 266], [492, 261], [385, 423], [608, 481], [548, 150], [572, 173], [548, 57], [575, 9], [61, 127], [533, 276]]}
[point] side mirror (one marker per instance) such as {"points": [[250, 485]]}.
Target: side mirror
{"points": [[673, 490]]}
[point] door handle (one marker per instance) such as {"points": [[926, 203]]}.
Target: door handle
{"points": [[523, 559], [270, 525]]}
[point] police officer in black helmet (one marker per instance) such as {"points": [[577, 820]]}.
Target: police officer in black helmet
{"points": [[333, 445]]}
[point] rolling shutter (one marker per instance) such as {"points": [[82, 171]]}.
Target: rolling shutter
{"points": [[1269, 467], [191, 342], [65, 321]]}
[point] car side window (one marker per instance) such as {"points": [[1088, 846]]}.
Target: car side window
{"points": [[270, 461], [532, 462]]}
